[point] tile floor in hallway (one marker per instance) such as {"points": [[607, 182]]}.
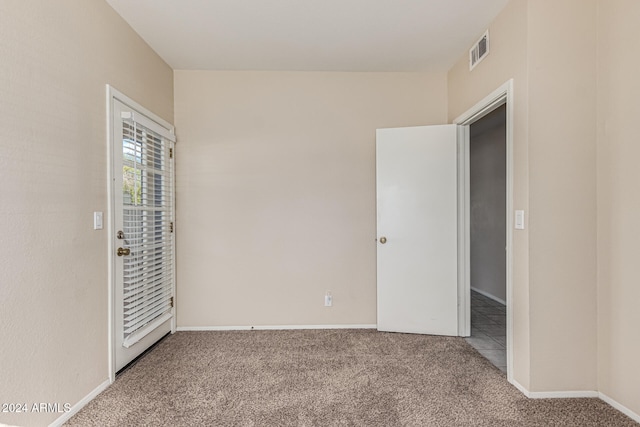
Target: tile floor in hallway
{"points": [[489, 329]]}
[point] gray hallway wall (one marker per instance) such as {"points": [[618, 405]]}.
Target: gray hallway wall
{"points": [[488, 204]]}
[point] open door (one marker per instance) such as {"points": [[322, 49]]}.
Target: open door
{"points": [[417, 221]]}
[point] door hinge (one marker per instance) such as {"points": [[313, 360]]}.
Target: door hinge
{"points": [[171, 153], [171, 302], [171, 227]]}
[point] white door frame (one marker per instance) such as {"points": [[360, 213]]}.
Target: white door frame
{"points": [[501, 96], [114, 94]]}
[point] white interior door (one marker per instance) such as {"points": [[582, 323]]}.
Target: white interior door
{"points": [[417, 220], [143, 232]]}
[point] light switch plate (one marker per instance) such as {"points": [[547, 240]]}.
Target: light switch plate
{"points": [[519, 220], [328, 299], [97, 220]]}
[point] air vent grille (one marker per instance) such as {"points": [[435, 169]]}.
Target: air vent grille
{"points": [[479, 50]]}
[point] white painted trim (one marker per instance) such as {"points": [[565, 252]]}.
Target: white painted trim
{"points": [[574, 394], [628, 412], [114, 93], [273, 327], [488, 295], [555, 394], [508, 88], [81, 404], [500, 96], [464, 250], [174, 310], [110, 241], [577, 394], [520, 388], [487, 105]]}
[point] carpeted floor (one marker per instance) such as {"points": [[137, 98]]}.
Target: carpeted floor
{"points": [[325, 378]]}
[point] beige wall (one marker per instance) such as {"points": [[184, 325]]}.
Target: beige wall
{"points": [[56, 59], [562, 194], [618, 201], [276, 191], [507, 60], [547, 48]]}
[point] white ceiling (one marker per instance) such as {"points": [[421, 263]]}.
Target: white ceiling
{"points": [[318, 35]]}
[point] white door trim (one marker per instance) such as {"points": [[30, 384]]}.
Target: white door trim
{"points": [[500, 96], [114, 94], [464, 282]]}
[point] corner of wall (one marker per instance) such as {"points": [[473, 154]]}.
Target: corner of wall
{"points": [[507, 60]]}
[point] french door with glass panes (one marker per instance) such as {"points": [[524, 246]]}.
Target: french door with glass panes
{"points": [[143, 193]]}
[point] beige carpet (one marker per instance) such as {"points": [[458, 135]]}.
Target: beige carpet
{"points": [[325, 378]]}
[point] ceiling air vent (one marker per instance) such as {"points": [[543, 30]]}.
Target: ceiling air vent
{"points": [[479, 50]]}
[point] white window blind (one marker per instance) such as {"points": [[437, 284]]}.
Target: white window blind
{"points": [[148, 230]]}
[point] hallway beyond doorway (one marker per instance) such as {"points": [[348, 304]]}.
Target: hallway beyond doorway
{"points": [[489, 329]]}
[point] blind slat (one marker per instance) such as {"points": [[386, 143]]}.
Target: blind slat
{"points": [[141, 308]]}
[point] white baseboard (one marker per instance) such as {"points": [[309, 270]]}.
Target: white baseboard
{"points": [[628, 412], [488, 295], [554, 394], [520, 387], [272, 327], [573, 394], [81, 404], [577, 394]]}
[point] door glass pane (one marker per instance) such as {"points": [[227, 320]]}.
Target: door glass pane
{"points": [[147, 212]]}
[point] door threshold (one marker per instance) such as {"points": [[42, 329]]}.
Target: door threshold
{"points": [[134, 361]]}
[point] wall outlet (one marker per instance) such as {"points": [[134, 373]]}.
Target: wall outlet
{"points": [[328, 299]]}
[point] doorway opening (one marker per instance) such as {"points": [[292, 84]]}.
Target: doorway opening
{"points": [[488, 226], [485, 227]]}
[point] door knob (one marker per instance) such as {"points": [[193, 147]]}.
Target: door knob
{"points": [[123, 251], [383, 240]]}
